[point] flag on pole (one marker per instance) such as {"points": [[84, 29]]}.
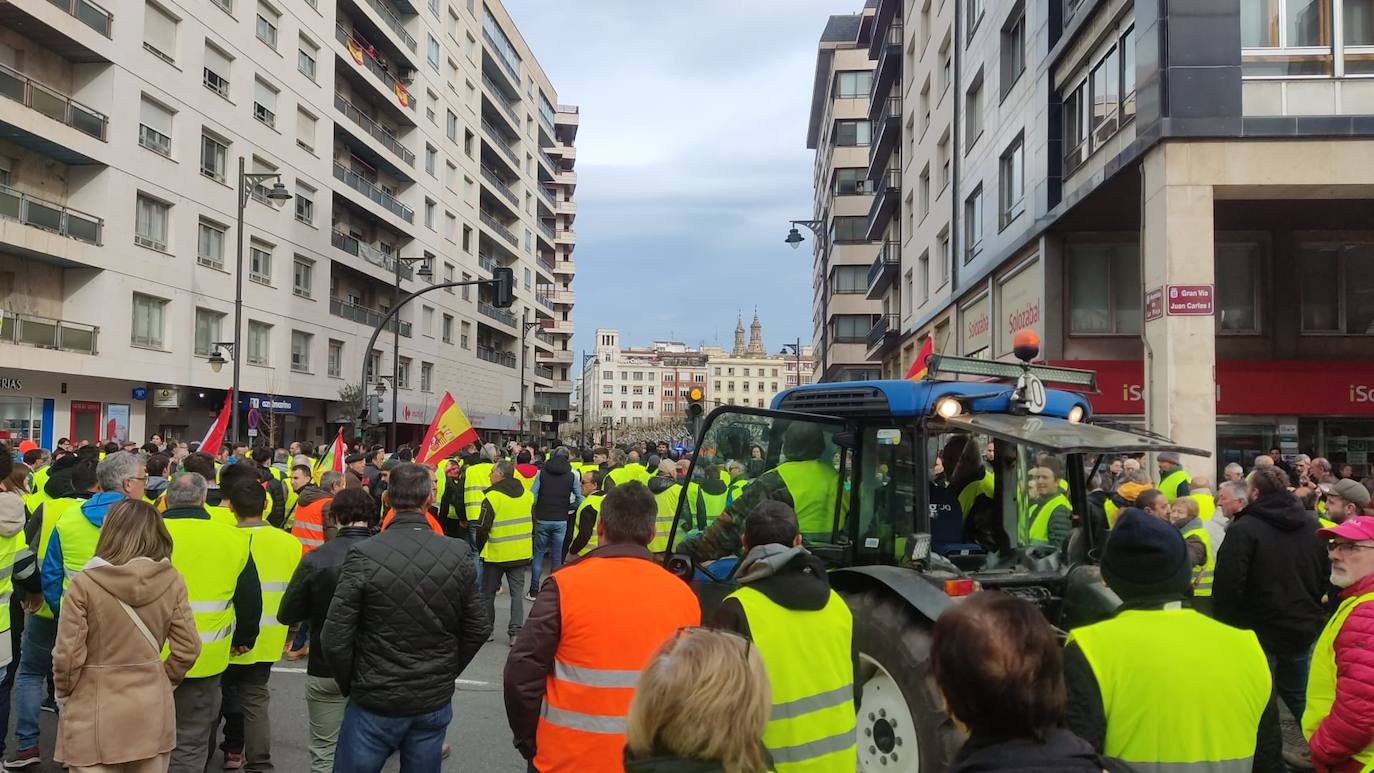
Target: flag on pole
{"points": [[919, 365], [214, 436], [450, 431], [332, 460]]}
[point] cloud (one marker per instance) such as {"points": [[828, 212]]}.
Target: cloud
{"points": [[691, 159]]}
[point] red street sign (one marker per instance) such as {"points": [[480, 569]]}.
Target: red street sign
{"points": [[253, 418], [1154, 304], [1190, 301]]}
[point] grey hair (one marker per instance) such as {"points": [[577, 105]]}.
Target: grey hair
{"points": [[116, 468], [330, 479], [409, 485], [1233, 467], [618, 456], [491, 453], [1136, 476], [734, 464], [187, 490], [506, 468], [563, 452], [1302, 459], [1238, 488]]}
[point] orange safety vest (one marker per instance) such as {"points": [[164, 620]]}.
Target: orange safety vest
{"points": [[615, 612], [309, 524], [433, 524]]}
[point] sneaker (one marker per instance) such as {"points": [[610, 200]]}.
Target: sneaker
{"points": [[298, 654], [23, 758], [50, 704], [529, 597], [233, 760], [448, 749]]}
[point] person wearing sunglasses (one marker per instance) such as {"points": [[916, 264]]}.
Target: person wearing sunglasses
{"points": [[1339, 716]]}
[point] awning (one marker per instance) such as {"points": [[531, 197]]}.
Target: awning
{"points": [[1060, 435]]}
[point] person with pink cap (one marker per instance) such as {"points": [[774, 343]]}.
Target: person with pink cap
{"points": [[1339, 716]]}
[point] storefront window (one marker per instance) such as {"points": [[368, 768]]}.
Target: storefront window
{"points": [[1239, 268], [1337, 288], [20, 419], [1104, 289]]}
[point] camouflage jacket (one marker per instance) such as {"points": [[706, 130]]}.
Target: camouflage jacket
{"points": [[722, 538]]}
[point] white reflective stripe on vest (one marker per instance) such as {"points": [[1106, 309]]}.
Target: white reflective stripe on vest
{"points": [[511, 522], [817, 748], [508, 537], [588, 723], [7, 566], [1214, 766], [213, 636], [800, 706], [274, 587], [313, 528], [69, 573], [308, 541], [267, 621], [594, 677], [210, 606]]}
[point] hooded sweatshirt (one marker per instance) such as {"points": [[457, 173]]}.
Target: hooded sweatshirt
{"points": [[53, 570]]}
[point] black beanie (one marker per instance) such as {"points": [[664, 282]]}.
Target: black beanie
{"points": [[1145, 557]]}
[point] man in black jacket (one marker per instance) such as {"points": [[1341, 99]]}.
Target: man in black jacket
{"points": [[307, 598], [403, 624], [1271, 574], [556, 493]]}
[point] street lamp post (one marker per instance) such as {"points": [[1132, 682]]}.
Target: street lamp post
{"points": [[247, 181], [794, 238], [796, 350], [525, 326], [425, 270], [583, 399]]}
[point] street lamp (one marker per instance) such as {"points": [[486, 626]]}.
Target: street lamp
{"points": [[216, 359], [247, 182], [796, 349], [795, 238], [423, 271], [582, 399], [524, 332]]}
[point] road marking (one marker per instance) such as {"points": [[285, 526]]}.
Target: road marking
{"points": [[296, 670]]}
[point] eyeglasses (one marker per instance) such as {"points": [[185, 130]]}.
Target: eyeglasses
{"points": [[1346, 547]]}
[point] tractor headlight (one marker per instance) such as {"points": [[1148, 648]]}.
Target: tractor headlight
{"points": [[948, 408], [1076, 414]]}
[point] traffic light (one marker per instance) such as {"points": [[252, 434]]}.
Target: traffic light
{"points": [[695, 399], [503, 292]]}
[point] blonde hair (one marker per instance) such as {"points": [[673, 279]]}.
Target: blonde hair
{"points": [[133, 529], [704, 695], [1187, 504]]}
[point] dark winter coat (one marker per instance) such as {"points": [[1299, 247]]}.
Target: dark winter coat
{"points": [[312, 588], [1271, 573], [405, 620], [1061, 752], [557, 481]]}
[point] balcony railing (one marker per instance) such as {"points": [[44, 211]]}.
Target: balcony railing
{"points": [[496, 226], [370, 317], [883, 325], [500, 142], [374, 129], [545, 337], [383, 10], [547, 231], [486, 262], [499, 98], [553, 165], [889, 260], [369, 253], [38, 213], [544, 300], [500, 185], [89, 14], [496, 356], [500, 315], [549, 198], [47, 333], [389, 81], [543, 371], [355, 181], [54, 104], [545, 263], [500, 57]]}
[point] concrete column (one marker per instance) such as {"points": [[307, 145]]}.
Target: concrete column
{"points": [[1180, 351]]}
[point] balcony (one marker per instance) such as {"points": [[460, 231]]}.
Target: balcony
{"points": [[374, 130], [499, 97], [510, 68], [545, 264], [545, 229], [362, 314], [566, 207], [499, 140], [884, 269], [495, 355], [28, 92], [561, 356], [486, 263], [390, 83], [545, 300], [78, 31], [369, 253], [888, 54], [543, 371], [564, 326], [378, 196], [567, 297], [55, 218], [884, 335], [47, 333], [546, 338], [884, 205], [547, 196], [547, 159], [390, 19], [500, 315], [887, 135], [565, 236], [501, 186], [495, 225]]}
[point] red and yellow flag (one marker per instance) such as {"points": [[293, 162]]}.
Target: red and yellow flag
{"points": [[402, 95], [354, 50], [450, 431], [919, 365], [332, 460]]}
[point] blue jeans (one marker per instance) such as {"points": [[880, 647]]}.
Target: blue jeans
{"points": [[366, 740], [547, 534], [476, 554], [31, 684], [16, 634], [1290, 680]]}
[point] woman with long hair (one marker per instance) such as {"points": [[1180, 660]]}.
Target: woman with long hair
{"points": [[700, 707], [116, 693]]}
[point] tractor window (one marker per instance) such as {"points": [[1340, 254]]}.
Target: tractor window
{"points": [[887, 494], [965, 515], [1044, 515]]}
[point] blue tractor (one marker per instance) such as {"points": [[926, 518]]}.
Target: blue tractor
{"points": [[939, 487]]}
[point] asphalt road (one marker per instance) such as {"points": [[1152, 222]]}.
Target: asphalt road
{"points": [[479, 734]]}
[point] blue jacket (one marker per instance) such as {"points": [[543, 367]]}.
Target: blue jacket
{"points": [[94, 509]]}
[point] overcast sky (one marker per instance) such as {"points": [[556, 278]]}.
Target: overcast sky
{"points": [[691, 158]]}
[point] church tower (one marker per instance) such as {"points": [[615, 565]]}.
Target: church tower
{"points": [[756, 337], [739, 337]]}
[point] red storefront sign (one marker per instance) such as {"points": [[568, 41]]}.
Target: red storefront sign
{"points": [[1189, 300], [1248, 387]]}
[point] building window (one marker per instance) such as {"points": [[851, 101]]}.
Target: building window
{"points": [[467, 239], [855, 84], [302, 276], [260, 263], [463, 335], [431, 159], [1012, 182], [427, 321], [305, 130], [1104, 289], [851, 181], [852, 133], [150, 223], [432, 52], [452, 126], [334, 364], [267, 25], [851, 279], [403, 373], [213, 157], [973, 15], [149, 314], [973, 224], [1286, 38], [1101, 103], [215, 71], [259, 342], [1105, 97], [925, 192], [306, 54], [207, 331], [849, 329], [300, 351], [159, 32], [923, 277], [305, 205], [467, 295], [1238, 295], [942, 154], [446, 329], [1337, 287], [1076, 143], [429, 213], [1013, 48], [155, 127], [426, 377], [265, 103], [945, 257], [210, 244], [973, 111], [849, 228]]}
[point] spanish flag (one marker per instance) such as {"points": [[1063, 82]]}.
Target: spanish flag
{"points": [[354, 50], [918, 366], [450, 431], [333, 458], [402, 95]]}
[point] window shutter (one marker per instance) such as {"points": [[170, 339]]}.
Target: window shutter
{"points": [[159, 29], [264, 95], [217, 62], [155, 117]]}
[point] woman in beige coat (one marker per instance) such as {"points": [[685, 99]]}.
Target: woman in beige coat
{"points": [[116, 693]]}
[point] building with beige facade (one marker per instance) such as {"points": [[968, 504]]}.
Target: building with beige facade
{"points": [[423, 140], [626, 386], [748, 375]]}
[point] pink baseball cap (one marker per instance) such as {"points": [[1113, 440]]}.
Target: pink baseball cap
{"points": [[1360, 527]]}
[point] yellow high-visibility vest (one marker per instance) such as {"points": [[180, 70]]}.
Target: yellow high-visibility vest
{"points": [[667, 500], [210, 557], [593, 501], [1169, 486], [812, 485], [1321, 677], [476, 479], [512, 527], [275, 555], [1202, 575]]}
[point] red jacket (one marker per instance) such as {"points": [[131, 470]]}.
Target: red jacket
{"points": [[1349, 728]]}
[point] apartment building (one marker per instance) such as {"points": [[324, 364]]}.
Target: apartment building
{"points": [[639, 386], [1175, 196], [748, 375], [839, 133], [418, 145]]}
